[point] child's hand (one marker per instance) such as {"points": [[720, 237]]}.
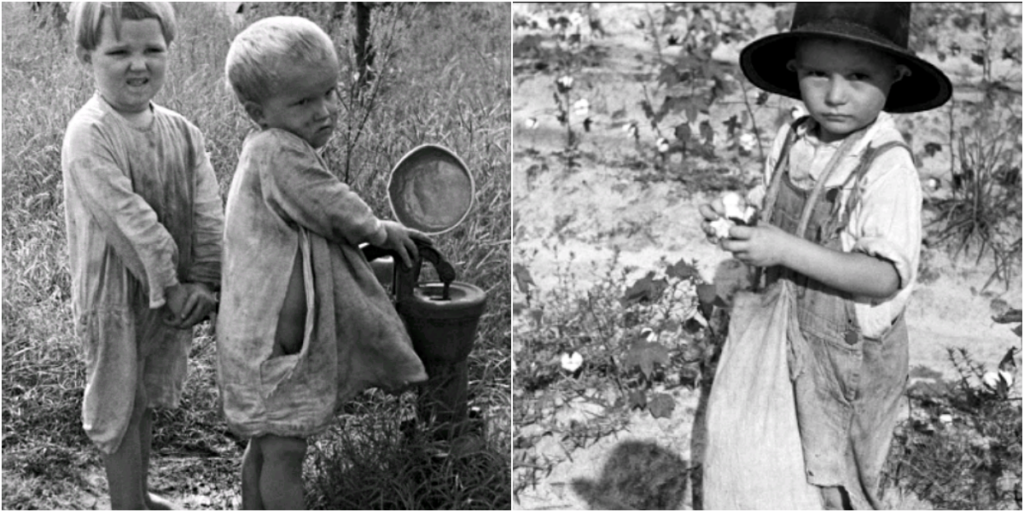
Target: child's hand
{"points": [[176, 295], [403, 241], [763, 245], [199, 300], [711, 212]]}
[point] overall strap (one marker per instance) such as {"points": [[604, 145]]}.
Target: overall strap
{"points": [[854, 180], [781, 165]]}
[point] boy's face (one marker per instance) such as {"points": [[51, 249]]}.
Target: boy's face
{"points": [[128, 71], [843, 85], [306, 106]]}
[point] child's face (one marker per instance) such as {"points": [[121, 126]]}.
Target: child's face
{"points": [[843, 85], [306, 106], [128, 71]]}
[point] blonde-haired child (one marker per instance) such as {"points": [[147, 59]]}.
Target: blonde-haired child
{"points": [[144, 223], [303, 324]]}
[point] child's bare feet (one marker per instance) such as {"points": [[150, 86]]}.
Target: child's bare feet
{"points": [[156, 502]]}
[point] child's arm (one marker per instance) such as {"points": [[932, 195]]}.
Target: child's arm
{"points": [[207, 235], [207, 224], [128, 223], [299, 189], [852, 272], [886, 227], [403, 241]]}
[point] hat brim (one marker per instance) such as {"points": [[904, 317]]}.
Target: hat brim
{"points": [[764, 64], [430, 189]]}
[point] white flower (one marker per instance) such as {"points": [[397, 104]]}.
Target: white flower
{"points": [[575, 20], [631, 129], [531, 123], [945, 419], [662, 145], [748, 141], [564, 83], [649, 335], [581, 108], [572, 362], [991, 379]]}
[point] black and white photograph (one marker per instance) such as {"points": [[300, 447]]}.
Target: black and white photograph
{"points": [[766, 256], [256, 255]]}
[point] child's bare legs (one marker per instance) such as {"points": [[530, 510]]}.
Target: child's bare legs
{"points": [[128, 467], [272, 473], [252, 464], [124, 466], [153, 501], [272, 465]]}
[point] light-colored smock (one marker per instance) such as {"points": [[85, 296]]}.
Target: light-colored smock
{"points": [[885, 224], [143, 213], [284, 204]]}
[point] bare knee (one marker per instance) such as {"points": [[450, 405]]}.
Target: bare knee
{"points": [[282, 450]]}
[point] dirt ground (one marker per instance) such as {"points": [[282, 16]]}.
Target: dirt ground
{"points": [[585, 216]]}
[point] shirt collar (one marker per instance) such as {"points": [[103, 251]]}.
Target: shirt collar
{"points": [[806, 131]]}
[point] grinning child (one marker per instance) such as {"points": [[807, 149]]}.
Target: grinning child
{"points": [[144, 224], [855, 268], [304, 323]]}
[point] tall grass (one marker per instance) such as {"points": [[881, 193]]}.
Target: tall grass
{"points": [[447, 82]]}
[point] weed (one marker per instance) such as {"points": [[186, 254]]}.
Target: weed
{"points": [[984, 208], [961, 447]]}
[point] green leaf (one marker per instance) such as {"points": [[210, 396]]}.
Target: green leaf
{"points": [[645, 289], [646, 354], [681, 269], [637, 399], [661, 405], [523, 277], [706, 294], [682, 132]]}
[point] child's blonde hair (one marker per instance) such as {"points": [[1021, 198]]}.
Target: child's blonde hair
{"points": [[87, 19], [256, 55]]}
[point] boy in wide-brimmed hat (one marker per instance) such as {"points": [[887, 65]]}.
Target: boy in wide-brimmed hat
{"points": [[846, 174]]}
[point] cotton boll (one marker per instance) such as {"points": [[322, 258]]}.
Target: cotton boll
{"points": [[749, 214], [734, 204], [991, 380], [721, 227]]}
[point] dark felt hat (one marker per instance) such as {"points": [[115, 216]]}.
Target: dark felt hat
{"points": [[882, 26]]}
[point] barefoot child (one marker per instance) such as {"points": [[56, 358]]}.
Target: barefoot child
{"points": [[854, 270], [144, 226], [304, 323]]}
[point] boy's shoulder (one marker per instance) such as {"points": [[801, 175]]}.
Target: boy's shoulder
{"points": [[277, 142]]}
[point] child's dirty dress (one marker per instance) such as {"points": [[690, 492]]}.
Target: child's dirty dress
{"points": [[143, 213], [852, 370], [283, 204]]}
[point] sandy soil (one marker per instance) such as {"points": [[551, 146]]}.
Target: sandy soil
{"points": [[583, 217]]}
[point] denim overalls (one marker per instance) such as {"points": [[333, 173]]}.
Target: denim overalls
{"points": [[847, 386]]}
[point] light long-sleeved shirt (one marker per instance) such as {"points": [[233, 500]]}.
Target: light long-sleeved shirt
{"points": [[284, 204], [886, 223], [140, 204]]}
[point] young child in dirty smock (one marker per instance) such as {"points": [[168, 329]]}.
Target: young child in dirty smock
{"points": [[855, 268], [304, 323], [144, 225]]}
